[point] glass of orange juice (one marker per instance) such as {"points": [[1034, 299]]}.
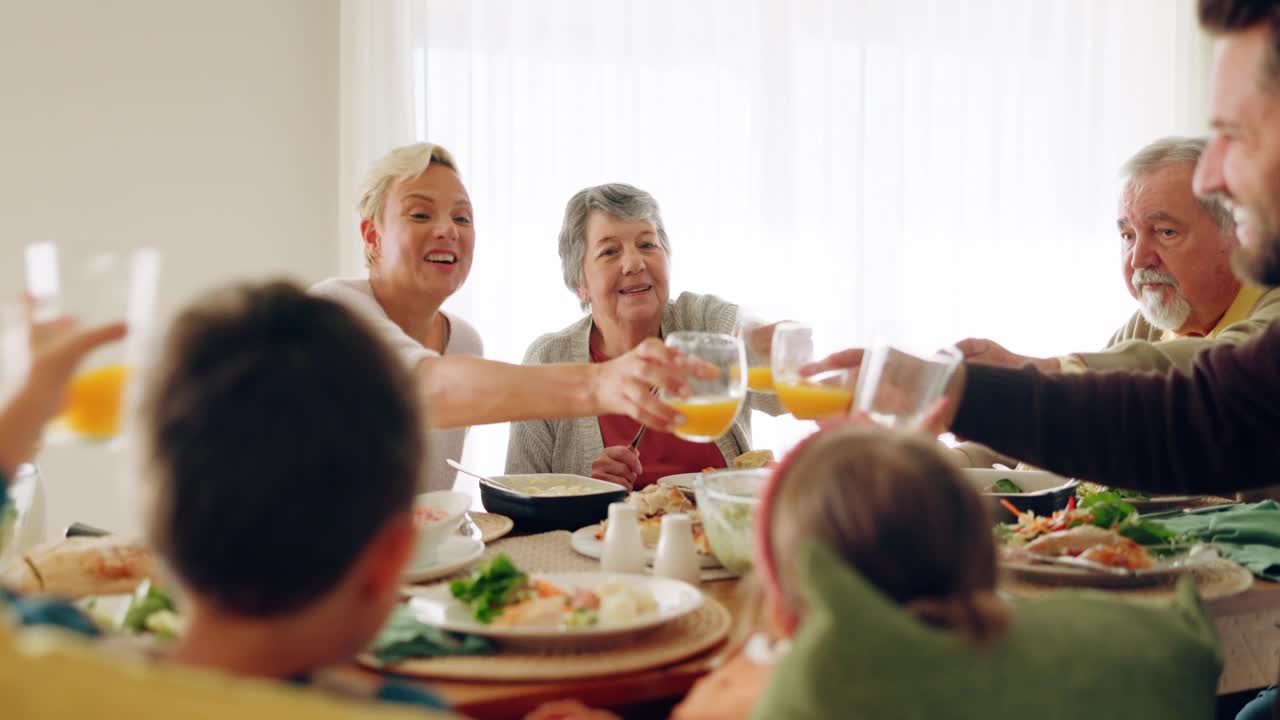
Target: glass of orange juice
{"points": [[710, 410], [811, 396], [757, 339], [102, 288]]}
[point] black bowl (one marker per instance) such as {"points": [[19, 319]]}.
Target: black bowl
{"points": [[536, 513], [1043, 493]]}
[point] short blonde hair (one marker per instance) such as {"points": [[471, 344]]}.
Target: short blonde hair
{"points": [[402, 163]]}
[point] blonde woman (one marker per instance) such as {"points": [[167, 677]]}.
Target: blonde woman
{"points": [[418, 228]]}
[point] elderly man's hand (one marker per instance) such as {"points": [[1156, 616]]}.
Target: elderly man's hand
{"points": [[989, 352]]}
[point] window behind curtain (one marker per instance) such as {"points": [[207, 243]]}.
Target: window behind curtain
{"points": [[906, 170]]}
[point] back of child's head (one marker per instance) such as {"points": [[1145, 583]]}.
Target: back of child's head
{"points": [[895, 509], [279, 435]]}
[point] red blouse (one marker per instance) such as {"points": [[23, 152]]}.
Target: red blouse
{"points": [[661, 454]]}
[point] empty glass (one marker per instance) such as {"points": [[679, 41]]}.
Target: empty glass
{"points": [[711, 408], [896, 387], [807, 397]]}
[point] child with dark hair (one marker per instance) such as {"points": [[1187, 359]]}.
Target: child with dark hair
{"points": [[281, 447]]}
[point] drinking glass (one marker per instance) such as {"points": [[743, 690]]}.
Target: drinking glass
{"points": [[807, 397], [896, 387], [711, 408], [104, 288], [757, 341]]}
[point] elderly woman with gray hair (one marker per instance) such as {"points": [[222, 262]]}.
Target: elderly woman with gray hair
{"points": [[615, 255]]}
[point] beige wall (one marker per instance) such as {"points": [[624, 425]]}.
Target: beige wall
{"points": [[206, 129]]}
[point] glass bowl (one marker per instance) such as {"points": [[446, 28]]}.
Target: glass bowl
{"points": [[727, 503]]}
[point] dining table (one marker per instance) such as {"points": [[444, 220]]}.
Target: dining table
{"points": [[1248, 625]]}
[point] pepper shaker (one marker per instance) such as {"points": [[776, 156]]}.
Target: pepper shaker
{"points": [[623, 549], [676, 557]]}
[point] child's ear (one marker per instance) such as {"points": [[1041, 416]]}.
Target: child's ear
{"points": [[386, 556]]}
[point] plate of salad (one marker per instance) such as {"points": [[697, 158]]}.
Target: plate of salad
{"points": [[1143, 502], [1101, 541], [505, 603]]}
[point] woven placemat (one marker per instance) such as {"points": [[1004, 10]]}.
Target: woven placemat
{"points": [[1214, 579], [682, 638], [492, 525]]}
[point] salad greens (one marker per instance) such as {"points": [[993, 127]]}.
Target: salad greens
{"points": [[404, 637], [492, 587], [153, 611], [1103, 509], [1087, 489], [1110, 510], [1007, 487]]}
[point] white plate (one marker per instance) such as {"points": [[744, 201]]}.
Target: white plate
{"points": [[435, 605], [1165, 571], [457, 552], [584, 542]]}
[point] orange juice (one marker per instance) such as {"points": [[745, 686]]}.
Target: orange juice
{"points": [[758, 378], [810, 401], [93, 401], [706, 418]]}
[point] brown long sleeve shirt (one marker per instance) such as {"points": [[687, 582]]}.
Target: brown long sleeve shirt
{"points": [[1214, 429]]}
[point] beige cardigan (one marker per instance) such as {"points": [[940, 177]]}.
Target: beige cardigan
{"points": [[570, 445]]}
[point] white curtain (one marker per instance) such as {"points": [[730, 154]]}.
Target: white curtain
{"points": [[911, 170]]}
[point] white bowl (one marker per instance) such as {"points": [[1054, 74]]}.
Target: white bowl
{"points": [[1032, 482], [433, 533]]}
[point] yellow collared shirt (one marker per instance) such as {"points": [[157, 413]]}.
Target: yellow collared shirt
{"points": [[1237, 311]]}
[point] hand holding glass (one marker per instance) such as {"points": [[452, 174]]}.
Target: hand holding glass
{"points": [[710, 410], [757, 341], [106, 288], [807, 397], [897, 388]]}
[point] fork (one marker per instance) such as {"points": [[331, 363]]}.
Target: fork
{"points": [[635, 442]]}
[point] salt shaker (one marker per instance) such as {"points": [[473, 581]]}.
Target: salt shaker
{"points": [[676, 557], [623, 549]]}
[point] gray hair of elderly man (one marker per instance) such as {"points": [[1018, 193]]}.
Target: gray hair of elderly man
{"points": [[1173, 151], [625, 202], [402, 163]]}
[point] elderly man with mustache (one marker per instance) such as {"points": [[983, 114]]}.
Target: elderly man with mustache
{"points": [[1175, 252]]}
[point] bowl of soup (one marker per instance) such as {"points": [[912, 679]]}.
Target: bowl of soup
{"points": [[550, 501], [436, 515]]}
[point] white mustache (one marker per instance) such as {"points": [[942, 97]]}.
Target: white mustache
{"points": [[1144, 276]]}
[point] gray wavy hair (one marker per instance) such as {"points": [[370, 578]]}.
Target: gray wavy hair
{"points": [[625, 202], [1172, 151]]}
